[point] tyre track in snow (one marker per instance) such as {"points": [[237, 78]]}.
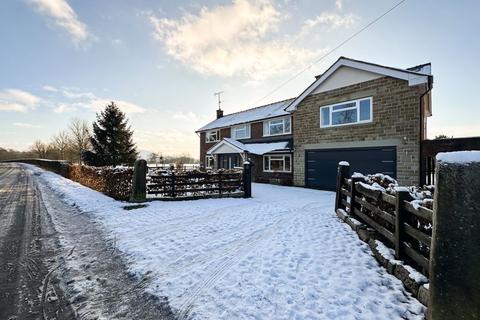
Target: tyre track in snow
{"points": [[225, 262]]}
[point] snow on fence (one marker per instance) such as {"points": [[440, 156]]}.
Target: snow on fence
{"points": [[194, 184], [400, 219]]}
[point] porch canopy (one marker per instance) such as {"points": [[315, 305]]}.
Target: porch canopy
{"points": [[228, 145]]}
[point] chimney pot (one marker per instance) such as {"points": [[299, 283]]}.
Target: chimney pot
{"points": [[219, 113]]}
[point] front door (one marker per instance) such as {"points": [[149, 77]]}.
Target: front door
{"points": [[228, 161]]}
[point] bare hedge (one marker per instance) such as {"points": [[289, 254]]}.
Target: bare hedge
{"points": [[114, 182]]}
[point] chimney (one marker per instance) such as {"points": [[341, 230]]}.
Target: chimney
{"points": [[219, 113]]}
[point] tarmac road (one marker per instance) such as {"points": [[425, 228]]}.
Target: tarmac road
{"points": [[55, 262]]}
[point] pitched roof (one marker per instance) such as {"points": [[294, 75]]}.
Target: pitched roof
{"points": [[275, 109], [416, 75]]}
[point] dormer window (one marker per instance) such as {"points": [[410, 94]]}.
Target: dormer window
{"points": [[345, 113], [277, 126], [241, 132], [212, 136]]}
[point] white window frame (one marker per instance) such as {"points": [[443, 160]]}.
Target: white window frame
{"points": [[283, 156], [208, 133], [242, 127], [267, 125], [207, 158], [356, 107]]}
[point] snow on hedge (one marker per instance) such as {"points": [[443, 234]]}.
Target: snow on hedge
{"points": [[282, 254], [460, 157]]}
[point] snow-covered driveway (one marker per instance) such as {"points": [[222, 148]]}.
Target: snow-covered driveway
{"points": [[280, 255]]}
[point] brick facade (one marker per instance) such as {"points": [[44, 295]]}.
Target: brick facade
{"points": [[396, 121]]}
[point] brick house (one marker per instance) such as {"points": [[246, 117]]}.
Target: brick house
{"points": [[370, 115]]}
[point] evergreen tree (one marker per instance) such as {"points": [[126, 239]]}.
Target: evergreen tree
{"points": [[111, 142]]}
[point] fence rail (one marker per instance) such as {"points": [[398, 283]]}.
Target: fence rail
{"points": [[405, 227]]}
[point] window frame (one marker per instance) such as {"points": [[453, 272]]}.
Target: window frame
{"points": [[356, 107], [267, 124], [283, 156], [246, 127], [209, 132]]}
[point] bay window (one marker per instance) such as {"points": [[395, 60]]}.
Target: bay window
{"points": [[241, 131], [212, 136], [277, 126], [277, 163], [345, 113]]}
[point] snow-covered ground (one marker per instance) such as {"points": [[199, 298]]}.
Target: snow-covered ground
{"points": [[280, 255]]}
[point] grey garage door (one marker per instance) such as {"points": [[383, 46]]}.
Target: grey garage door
{"points": [[321, 165]]}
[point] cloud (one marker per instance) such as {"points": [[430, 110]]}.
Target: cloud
{"points": [[339, 4], [235, 39], [26, 125], [331, 20], [62, 108], [17, 100], [64, 16], [189, 116], [99, 104], [50, 88], [77, 95]]}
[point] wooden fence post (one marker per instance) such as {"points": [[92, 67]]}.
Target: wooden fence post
{"points": [[400, 197], [139, 181], [220, 183], [247, 179], [173, 184], [455, 251], [343, 171], [353, 192]]}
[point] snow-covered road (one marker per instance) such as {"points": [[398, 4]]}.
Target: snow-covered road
{"points": [[280, 255]]}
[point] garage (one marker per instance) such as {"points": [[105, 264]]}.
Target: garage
{"points": [[321, 165]]}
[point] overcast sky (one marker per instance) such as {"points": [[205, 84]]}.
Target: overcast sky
{"points": [[161, 61]]}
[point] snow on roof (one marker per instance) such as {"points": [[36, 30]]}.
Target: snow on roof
{"points": [[271, 110], [255, 148], [462, 157]]}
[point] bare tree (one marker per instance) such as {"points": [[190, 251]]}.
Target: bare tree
{"points": [[39, 148], [61, 142], [79, 137]]}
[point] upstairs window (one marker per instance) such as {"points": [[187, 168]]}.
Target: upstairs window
{"points": [[212, 136], [241, 131], [277, 126], [345, 113]]}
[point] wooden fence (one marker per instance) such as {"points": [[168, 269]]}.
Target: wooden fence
{"points": [[430, 148], [194, 184], [405, 227]]}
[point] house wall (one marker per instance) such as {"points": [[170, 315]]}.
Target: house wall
{"points": [[396, 121], [345, 76], [204, 146], [258, 175]]}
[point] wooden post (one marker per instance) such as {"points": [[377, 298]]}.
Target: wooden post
{"points": [[139, 181], [247, 179], [220, 183], [400, 197], [343, 172], [173, 184], [455, 251], [353, 192]]}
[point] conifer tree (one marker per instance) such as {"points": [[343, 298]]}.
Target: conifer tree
{"points": [[111, 142]]}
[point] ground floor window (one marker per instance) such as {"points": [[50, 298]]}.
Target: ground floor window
{"points": [[277, 163], [209, 162]]}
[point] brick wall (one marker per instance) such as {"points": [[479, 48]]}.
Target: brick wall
{"points": [[204, 146], [258, 175], [396, 114]]}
